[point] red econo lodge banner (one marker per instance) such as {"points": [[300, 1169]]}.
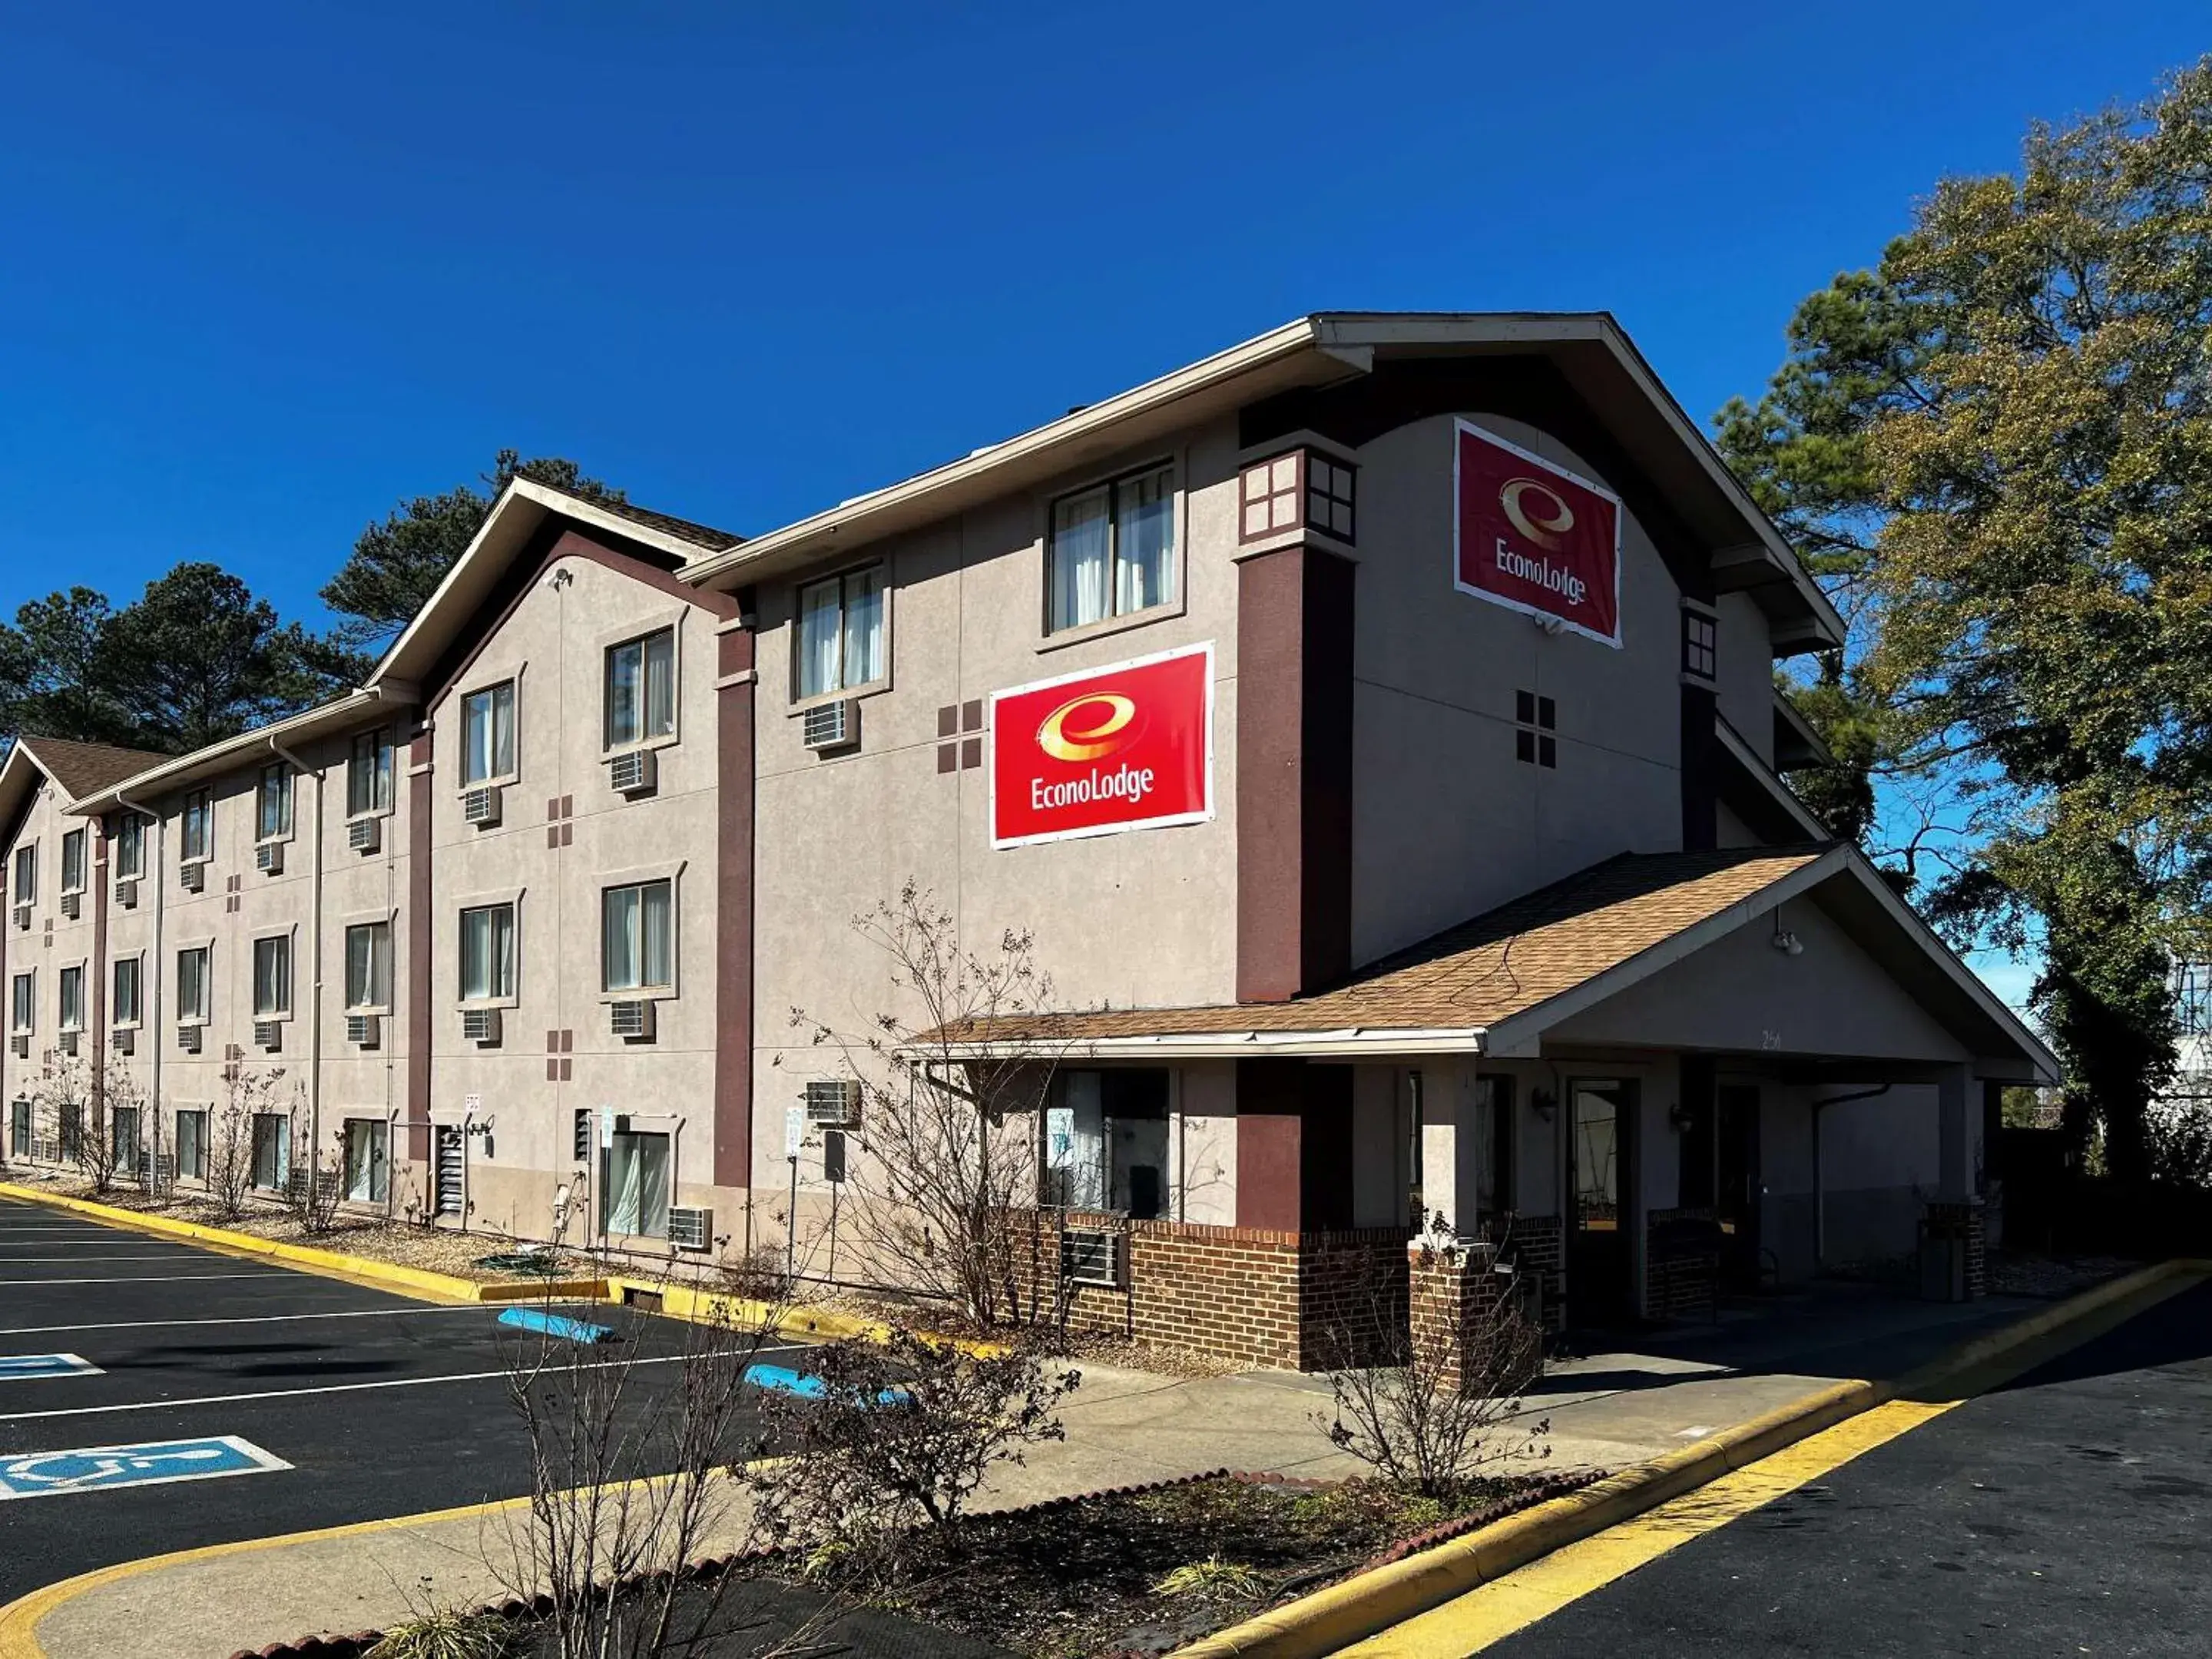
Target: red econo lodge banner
{"points": [[1130, 747], [1533, 538]]}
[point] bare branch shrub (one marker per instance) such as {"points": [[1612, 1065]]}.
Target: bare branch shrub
{"points": [[902, 1435], [248, 1094], [942, 1193], [318, 1183], [1437, 1401], [76, 1113]]}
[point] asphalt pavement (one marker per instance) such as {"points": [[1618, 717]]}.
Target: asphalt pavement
{"points": [[157, 1396], [2065, 1514]]}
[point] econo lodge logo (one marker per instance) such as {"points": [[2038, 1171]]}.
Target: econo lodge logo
{"points": [[1535, 538], [1127, 747]]}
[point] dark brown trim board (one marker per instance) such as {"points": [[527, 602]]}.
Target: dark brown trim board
{"points": [[734, 911], [420, 795]]}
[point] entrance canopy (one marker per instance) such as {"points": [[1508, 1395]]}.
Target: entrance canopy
{"points": [[1792, 951]]}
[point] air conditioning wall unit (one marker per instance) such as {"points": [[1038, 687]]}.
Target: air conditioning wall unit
{"points": [[834, 1102], [365, 834], [193, 876], [832, 725], [480, 1025], [690, 1228], [188, 1038], [480, 806], [126, 892], [23, 917], [269, 858], [634, 772], [124, 1039], [630, 1019], [364, 1030], [269, 1035], [69, 1043], [72, 905], [1093, 1255]]}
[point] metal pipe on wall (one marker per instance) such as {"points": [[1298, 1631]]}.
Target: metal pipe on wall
{"points": [[315, 986]]}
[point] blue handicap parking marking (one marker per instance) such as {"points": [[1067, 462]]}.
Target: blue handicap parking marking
{"points": [[16, 1366], [150, 1463]]}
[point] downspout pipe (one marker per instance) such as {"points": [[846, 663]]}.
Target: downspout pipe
{"points": [[1819, 1178], [150, 1006], [315, 988]]}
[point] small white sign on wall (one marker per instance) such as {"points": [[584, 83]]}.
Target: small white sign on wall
{"points": [[794, 1130], [606, 1129]]}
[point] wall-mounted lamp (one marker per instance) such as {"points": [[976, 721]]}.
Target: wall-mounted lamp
{"points": [[1784, 940], [1678, 1118], [1544, 1102]]}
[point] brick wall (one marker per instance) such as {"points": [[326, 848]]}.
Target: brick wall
{"points": [[1682, 1264], [1537, 1245], [1249, 1295], [1963, 1220]]}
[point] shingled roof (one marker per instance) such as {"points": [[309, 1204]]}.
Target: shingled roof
{"points": [[1472, 977], [86, 768]]}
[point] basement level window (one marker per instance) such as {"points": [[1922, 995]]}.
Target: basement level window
{"points": [[1536, 721]]}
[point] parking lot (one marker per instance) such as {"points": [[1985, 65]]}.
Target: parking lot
{"points": [[157, 1397]]}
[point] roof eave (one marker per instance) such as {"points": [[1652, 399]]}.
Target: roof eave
{"points": [[1228, 1044], [216, 758]]}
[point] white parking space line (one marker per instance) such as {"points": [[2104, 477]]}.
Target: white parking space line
{"points": [[239, 1319], [327, 1388], [165, 1278]]}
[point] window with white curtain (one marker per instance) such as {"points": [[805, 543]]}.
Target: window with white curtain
{"points": [[635, 1185], [73, 862], [368, 773], [641, 697], [130, 846], [192, 983], [27, 874], [1113, 550], [197, 835], [273, 814], [367, 1160], [22, 1002], [841, 632], [124, 1009], [487, 952], [72, 999], [272, 1151], [272, 976], [638, 937], [488, 733], [368, 967]]}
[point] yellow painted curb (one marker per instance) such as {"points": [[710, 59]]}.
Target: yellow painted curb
{"points": [[1346, 1612], [690, 1302]]}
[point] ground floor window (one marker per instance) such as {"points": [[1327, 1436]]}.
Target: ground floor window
{"points": [[1106, 1142], [72, 1125], [272, 1151], [192, 1145], [1493, 1139], [19, 1129], [636, 1186], [124, 1124], [368, 1166]]}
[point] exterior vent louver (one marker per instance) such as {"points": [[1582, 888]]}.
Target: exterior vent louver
{"points": [[364, 834], [1092, 1256], [69, 1043], [23, 917], [480, 806], [72, 906], [21, 1043], [188, 1038], [269, 858], [269, 1035], [193, 876], [690, 1228], [834, 1102], [480, 1025], [630, 1019], [832, 725], [123, 1041], [364, 1030], [636, 772], [126, 893]]}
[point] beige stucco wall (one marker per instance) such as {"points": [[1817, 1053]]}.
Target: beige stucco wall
{"points": [[1446, 823], [553, 645], [50, 943], [1747, 672], [1146, 917]]}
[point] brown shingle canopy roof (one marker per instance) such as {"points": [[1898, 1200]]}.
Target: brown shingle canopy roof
{"points": [[1483, 971], [86, 768]]}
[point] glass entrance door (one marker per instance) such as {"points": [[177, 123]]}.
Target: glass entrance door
{"points": [[1601, 1156]]}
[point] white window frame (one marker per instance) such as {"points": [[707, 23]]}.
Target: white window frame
{"points": [[608, 1186], [282, 1121], [65, 974], [380, 773], [280, 945], [280, 774], [78, 839], [128, 856], [199, 805], [379, 1165], [802, 697], [500, 996], [23, 881], [187, 1014], [647, 990], [639, 641], [512, 685], [23, 1002], [1110, 485], [136, 962], [196, 1171], [378, 981]]}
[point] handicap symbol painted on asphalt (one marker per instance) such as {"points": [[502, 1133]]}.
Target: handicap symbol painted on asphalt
{"points": [[151, 1463], [17, 1365]]}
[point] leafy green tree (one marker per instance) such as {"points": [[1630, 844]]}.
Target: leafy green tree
{"points": [[51, 671], [397, 565], [1997, 445]]}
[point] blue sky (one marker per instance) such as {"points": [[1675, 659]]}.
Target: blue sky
{"points": [[266, 269]]}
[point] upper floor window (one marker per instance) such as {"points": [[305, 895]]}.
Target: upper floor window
{"points": [[1536, 720], [368, 966], [124, 1011], [640, 698], [130, 846], [488, 733], [368, 774], [637, 936], [841, 632], [22, 1003], [1113, 550], [27, 874], [73, 862], [193, 984], [272, 975], [1701, 645], [487, 952], [198, 835], [70, 981], [273, 803]]}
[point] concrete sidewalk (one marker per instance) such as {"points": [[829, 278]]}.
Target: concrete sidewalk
{"points": [[1608, 1408]]}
